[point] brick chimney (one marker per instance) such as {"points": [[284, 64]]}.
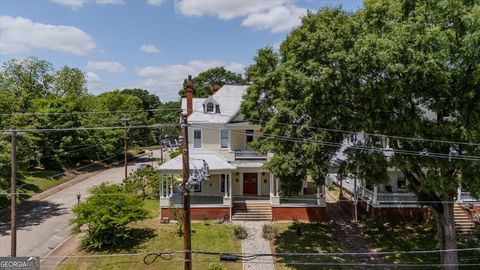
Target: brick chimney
{"points": [[189, 91], [215, 88]]}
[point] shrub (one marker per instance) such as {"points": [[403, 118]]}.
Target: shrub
{"points": [[105, 215], [205, 220], [297, 226], [269, 232], [177, 214], [215, 266], [175, 153], [240, 232]]}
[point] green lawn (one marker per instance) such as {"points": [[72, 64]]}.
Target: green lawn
{"points": [[39, 181], [315, 238], [385, 237], [382, 237], [162, 237]]}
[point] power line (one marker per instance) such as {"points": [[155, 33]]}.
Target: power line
{"points": [[91, 128], [82, 113], [376, 149], [354, 132]]}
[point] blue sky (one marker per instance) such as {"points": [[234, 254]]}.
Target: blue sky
{"points": [[152, 44]]}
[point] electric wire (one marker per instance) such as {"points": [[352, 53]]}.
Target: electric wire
{"points": [[83, 113], [40, 130], [353, 132], [334, 144]]}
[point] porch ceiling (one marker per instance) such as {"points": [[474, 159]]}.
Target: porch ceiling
{"points": [[215, 163]]}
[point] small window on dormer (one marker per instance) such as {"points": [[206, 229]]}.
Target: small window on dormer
{"points": [[209, 107], [217, 108]]}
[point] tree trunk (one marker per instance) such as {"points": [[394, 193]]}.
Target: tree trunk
{"points": [[341, 190], [446, 235]]}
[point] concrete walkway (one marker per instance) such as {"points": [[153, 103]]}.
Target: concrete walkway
{"points": [[255, 243]]}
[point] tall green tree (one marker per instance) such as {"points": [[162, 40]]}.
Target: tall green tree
{"points": [[203, 82], [404, 68]]}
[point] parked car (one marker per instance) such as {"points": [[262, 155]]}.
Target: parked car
{"points": [[142, 167]]}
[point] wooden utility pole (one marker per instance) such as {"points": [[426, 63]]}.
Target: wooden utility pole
{"points": [[125, 125], [13, 194], [187, 241]]}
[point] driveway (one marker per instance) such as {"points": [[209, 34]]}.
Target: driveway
{"points": [[45, 224]]}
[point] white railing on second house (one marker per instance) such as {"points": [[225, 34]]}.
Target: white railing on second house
{"points": [[466, 197], [396, 198], [369, 194]]}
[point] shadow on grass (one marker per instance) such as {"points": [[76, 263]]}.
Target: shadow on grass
{"points": [[314, 238], [137, 236], [403, 237]]}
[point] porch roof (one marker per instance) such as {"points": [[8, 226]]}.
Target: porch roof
{"points": [[215, 163]]}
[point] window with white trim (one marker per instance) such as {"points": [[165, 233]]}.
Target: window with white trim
{"points": [[224, 138], [210, 107], [197, 138]]}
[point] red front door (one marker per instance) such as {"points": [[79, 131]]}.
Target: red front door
{"points": [[249, 184]]}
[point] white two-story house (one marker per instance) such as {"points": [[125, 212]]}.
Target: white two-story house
{"points": [[239, 186]]}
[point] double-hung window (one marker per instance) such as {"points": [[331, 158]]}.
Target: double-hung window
{"points": [[197, 138], [224, 138]]}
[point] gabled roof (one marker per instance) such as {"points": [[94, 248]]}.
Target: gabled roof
{"points": [[229, 97]]}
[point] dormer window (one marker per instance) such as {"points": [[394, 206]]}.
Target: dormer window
{"points": [[210, 107]]}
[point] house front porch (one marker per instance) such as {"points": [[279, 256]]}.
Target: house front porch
{"points": [[233, 185]]}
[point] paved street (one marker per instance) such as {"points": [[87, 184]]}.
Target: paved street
{"points": [[46, 224]]}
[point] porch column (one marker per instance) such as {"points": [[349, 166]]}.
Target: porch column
{"points": [[226, 198], [161, 186], [225, 184], [274, 199], [271, 185], [164, 200], [375, 193], [459, 194], [320, 195], [230, 184], [259, 183], [277, 185], [171, 186], [363, 187]]}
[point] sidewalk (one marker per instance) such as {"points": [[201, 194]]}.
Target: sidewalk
{"points": [[255, 244]]}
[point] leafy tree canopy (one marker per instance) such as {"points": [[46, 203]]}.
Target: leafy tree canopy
{"points": [[401, 68], [203, 82]]}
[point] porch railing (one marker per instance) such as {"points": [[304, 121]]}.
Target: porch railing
{"points": [[249, 155], [466, 197], [396, 198]]}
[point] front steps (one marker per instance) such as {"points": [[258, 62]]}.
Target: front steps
{"points": [[463, 223], [252, 211]]}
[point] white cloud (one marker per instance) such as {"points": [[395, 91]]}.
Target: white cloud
{"points": [[149, 49], [109, 2], [225, 9], [71, 3], [236, 67], [155, 2], [110, 66], [76, 4], [20, 35], [94, 83], [166, 80], [277, 20], [275, 45]]}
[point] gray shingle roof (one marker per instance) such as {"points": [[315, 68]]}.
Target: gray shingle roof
{"points": [[229, 97]]}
